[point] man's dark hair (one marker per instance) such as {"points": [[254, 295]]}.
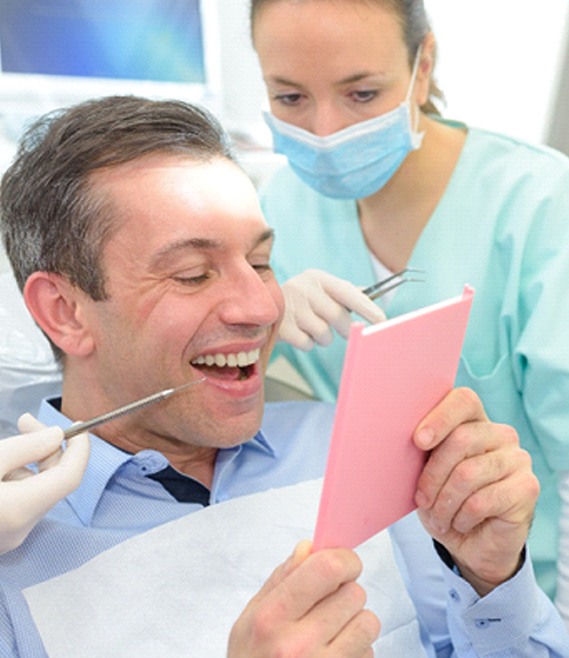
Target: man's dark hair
{"points": [[51, 219]]}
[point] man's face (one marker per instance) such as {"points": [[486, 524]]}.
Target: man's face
{"points": [[191, 295]]}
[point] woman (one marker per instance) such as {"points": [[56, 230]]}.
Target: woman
{"points": [[378, 181]]}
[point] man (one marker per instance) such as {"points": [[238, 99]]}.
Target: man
{"points": [[144, 257]]}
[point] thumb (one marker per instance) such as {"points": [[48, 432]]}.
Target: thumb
{"points": [[301, 551], [27, 423]]}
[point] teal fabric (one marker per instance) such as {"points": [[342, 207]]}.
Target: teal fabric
{"points": [[502, 226]]}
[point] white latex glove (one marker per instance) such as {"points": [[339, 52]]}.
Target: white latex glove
{"points": [[562, 595], [317, 302], [26, 495]]}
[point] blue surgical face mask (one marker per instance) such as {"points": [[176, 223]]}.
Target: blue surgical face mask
{"points": [[354, 162]]}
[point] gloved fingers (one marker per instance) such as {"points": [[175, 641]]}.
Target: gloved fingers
{"points": [[48, 487], [317, 320], [290, 333], [67, 472], [19, 474], [301, 325], [28, 423], [367, 309], [18, 451], [328, 312], [313, 318], [352, 298], [311, 304], [316, 303]]}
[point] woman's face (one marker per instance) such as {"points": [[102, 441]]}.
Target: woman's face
{"points": [[329, 64]]}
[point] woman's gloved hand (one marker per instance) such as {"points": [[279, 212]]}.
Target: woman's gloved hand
{"points": [[317, 302], [26, 495]]}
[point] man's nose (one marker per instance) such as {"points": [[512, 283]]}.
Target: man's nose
{"points": [[249, 300]]}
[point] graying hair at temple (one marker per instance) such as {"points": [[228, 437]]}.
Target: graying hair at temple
{"points": [[51, 218]]}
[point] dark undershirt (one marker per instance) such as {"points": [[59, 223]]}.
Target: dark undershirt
{"points": [[183, 488]]}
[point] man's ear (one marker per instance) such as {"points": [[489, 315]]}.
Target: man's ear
{"points": [[56, 306]]}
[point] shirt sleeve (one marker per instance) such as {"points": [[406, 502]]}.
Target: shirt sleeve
{"points": [[516, 619]]}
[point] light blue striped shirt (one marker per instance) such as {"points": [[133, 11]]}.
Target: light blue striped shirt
{"points": [[117, 500]]}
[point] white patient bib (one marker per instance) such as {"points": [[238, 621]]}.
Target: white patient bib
{"points": [[176, 590]]}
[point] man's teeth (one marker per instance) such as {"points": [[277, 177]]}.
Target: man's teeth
{"points": [[241, 359]]}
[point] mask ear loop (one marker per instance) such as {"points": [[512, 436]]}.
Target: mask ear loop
{"points": [[412, 84]]}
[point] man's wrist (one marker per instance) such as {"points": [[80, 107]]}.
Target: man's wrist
{"points": [[481, 585]]}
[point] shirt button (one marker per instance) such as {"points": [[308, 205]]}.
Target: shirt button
{"points": [[454, 595], [482, 623]]}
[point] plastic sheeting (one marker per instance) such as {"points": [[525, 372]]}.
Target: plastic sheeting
{"points": [[28, 370]]}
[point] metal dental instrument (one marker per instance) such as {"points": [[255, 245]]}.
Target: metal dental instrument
{"points": [[382, 287], [84, 426]]}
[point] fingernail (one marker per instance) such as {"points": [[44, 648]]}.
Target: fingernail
{"points": [[425, 438], [301, 551]]}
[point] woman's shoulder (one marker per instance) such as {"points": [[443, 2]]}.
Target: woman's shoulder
{"points": [[485, 143], [483, 146]]}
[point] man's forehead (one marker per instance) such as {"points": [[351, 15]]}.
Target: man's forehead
{"points": [[166, 165], [199, 203]]}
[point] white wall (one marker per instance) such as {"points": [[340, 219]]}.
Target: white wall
{"points": [[241, 81], [499, 61]]}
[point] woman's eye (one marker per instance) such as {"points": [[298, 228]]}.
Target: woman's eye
{"points": [[288, 99], [364, 96]]}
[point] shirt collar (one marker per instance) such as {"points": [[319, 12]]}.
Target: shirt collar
{"points": [[262, 443], [106, 459]]}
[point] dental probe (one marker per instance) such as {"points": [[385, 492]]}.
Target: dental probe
{"points": [[86, 425]]}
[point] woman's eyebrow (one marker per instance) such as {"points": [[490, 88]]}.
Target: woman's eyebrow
{"points": [[350, 79], [362, 75], [279, 80]]}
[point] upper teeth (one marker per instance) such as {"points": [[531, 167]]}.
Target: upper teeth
{"points": [[240, 359]]}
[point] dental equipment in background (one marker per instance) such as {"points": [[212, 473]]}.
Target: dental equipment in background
{"points": [[382, 287], [86, 425]]}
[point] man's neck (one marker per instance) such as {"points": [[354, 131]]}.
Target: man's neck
{"points": [[129, 435]]}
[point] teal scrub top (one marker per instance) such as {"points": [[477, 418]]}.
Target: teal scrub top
{"points": [[501, 226]]}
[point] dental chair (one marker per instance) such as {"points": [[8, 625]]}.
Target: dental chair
{"points": [[28, 371]]}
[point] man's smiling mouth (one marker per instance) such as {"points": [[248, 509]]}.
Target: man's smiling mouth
{"points": [[232, 366]]}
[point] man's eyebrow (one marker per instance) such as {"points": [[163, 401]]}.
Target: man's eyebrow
{"points": [[269, 234], [199, 244], [178, 246]]}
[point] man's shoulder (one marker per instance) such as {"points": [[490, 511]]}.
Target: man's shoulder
{"points": [[304, 414], [295, 422]]}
